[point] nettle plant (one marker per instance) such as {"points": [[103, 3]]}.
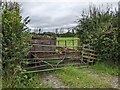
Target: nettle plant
{"points": [[15, 42], [98, 28]]}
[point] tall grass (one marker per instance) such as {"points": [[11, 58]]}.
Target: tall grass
{"points": [[106, 69], [28, 81]]}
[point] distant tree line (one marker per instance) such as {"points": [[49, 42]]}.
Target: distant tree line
{"points": [[67, 34]]}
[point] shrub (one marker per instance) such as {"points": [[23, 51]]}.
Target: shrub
{"points": [[99, 28], [15, 44]]}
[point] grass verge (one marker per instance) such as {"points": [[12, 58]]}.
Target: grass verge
{"points": [[75, 78], [105, 69]]}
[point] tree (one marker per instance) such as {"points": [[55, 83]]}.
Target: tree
{"points": [[118, 37], [97, 28], [15, 44]]}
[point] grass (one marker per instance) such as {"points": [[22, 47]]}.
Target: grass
{"points": [[69, 41], [105, 69], [75, 78], [27, 81], [35, 82], [99, 67], [69, 76], [0, 82]]}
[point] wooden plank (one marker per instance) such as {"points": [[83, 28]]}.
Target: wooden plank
{"points": [[37, 66], [90, 61], [63, 55], [65, 59], [58, 43], [43, 70], [78, 42], [54, 46], [52, 65], [73, 43], [85, 45], [51, 51], [32, 59], [65, 44], [69, 39], [85, 49], [44, 45], [88, 57], [87, 53], [42, 51], [47, 70], [45, 59]]}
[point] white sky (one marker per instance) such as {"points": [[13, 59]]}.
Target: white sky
{"points": [[57, 13]]}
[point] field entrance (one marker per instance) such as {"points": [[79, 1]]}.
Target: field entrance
{"points": [[50, 53]]}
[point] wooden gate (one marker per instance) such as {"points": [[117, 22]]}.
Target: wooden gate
{"points": [[50, 54]]}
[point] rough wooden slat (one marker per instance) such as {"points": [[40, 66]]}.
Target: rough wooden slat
{"points": [[90, 61], [52, 69], [48, 59], [52, 65], [69, 40], [44, 59], [88, 57], [87, 53], [42, 51], [86, 49], [40, 61], [55, 46], [43, 70]]}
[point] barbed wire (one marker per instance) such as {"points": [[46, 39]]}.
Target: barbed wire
{"points": [[54, 29]]}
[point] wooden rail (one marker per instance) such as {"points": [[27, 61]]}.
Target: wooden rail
{"points": [[88, 53], [59, 54]]}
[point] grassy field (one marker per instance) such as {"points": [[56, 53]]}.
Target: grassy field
{"points": [[69, 41]]}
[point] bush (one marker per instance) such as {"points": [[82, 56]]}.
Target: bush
{"points": [[98, 28], [15, 44]]}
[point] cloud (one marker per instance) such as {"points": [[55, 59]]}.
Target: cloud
{"points": [[57, 13], [51, 14], [66, 0]]}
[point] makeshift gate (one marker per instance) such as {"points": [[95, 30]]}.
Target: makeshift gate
{"points": [[50, 53]]}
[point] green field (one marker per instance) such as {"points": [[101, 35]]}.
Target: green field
{"points": [[70, 41]]}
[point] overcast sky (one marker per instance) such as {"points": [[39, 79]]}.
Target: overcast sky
{"points": [[57, 13]]}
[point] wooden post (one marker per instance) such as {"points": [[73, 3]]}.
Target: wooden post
{"points": [[89, 54], [35, 59], [78, 47], [78, 42], [33, 48], [73, 43], [82, 53], [65, 44], [58, 43], [55, 43], [51, 44]]}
